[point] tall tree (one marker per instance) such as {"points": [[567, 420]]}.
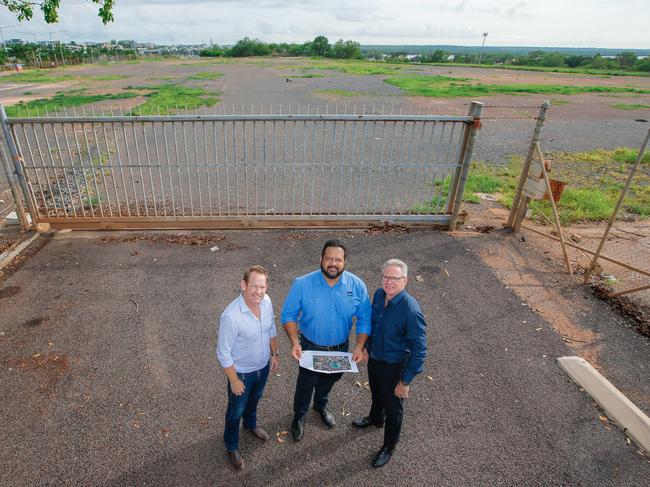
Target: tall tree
{"points": [[321, 46], [24, 9]]}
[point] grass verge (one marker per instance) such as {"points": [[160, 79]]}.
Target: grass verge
{"points": [[61, 101], [630, 106], [36, 77], [345, 93], [448, 87]]}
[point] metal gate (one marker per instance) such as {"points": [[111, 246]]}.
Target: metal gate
{"points": [[229, 171]]}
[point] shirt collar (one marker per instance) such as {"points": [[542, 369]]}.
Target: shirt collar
{"points": [[243, 307], [342, 281], [397, 298]]}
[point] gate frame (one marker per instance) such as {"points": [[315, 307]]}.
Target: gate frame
{"points": [[448, 218]]}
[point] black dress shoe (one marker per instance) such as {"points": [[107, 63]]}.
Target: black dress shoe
{"points": [[297, 428], [366, 421], [327, 417], [235, 460], [382, 457]]}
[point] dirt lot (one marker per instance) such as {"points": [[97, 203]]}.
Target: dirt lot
{"points": [[107, 352]]}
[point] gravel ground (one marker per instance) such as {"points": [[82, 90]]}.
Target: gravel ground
{"points": [[110, 378]]}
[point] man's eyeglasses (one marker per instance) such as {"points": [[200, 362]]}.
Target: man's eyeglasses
{"points": [[391, 278]]}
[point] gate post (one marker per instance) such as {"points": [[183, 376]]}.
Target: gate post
{"points": [[457, 186], [20, 209], [520, 206]]}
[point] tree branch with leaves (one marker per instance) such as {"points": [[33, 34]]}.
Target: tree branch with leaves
{"points": [[24, 9]]}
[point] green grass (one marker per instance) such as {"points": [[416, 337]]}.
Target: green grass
{"points": [[355, 67], [477, 182], [167, 98], [630, 106], [105, 77], [206, 75], [448, 87], [306, 75], [559, 102], [60, 101], [557, 69], [36, 77], [595, 180], [345, 93]]}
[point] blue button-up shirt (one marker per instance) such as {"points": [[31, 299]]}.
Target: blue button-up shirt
{"points": [[324, 313], [398, 332], [244, 340]]}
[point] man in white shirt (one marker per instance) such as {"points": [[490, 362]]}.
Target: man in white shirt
{"points": [[246, 349]]}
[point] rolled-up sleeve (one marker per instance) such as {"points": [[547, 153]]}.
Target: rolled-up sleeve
{"points": [[416, 338], [226, 340], [364, 312], [291, 307]]}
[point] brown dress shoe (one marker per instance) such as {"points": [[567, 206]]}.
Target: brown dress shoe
{"points": [[260, 433], [235, 459]]}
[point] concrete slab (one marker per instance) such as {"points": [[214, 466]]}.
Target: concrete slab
{"points": [[618, 407]]}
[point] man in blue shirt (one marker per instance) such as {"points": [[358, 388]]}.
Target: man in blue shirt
{"points": [[318, 315], [397, 348], [246, 349]]}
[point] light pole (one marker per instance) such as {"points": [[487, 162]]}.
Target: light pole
{"points": [[38, 52], [4, 44], [60, 45], [480, 57]]}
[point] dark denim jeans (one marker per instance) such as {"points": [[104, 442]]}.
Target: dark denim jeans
{"points": [[314, 383], [244, 406]]}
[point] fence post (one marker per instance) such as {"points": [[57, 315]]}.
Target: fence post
{"points": [[18, 167], [475, 110], [519, 207], [20, 209], [618, 205]]}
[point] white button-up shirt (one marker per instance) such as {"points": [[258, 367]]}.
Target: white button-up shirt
{"points": [[244, 340]]}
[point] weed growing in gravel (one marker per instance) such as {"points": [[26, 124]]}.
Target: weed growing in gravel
{"points": [[347, 93], [36, 77], [60, 101], [360, 68], [449, 87], [630, 106], [170, 98], [105, 77], [206, 75]]}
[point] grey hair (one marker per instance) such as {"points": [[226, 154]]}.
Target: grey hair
{"points": [[396, 263]]}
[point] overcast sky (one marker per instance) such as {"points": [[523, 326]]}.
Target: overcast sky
{"points": [[561, 23]]}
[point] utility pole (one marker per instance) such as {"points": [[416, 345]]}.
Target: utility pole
{"points": [[60, 45], [37, 56], [4, 44], [480, 57]]}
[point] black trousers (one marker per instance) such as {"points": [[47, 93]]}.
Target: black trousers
{"points": [[386, 406], [314, 383]]}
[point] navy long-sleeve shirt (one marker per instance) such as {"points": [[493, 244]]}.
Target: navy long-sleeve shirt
{"points": [[398, 332]]}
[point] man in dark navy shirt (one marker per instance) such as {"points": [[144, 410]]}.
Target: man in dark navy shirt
{"points": [[397, 348]]}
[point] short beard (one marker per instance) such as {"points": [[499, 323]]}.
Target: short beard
{"points": [[327, 274]]}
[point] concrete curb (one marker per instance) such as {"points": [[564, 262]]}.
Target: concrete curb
{"points": [[7, 257], [625, 414]]}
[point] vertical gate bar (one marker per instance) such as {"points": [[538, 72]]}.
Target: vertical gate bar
{"points": [[67, 143], [142, 183], [399, 162], [453, 185], [416, 161], [225, 163], [284, 166], [198, 165], [361, 164], [371, 162], [275, 164], [119, 160], [322, 167], [47, 174], [9, 173], [92, 171], [146, 150], [313, 165], [112, 166], [130, 166], [207, 167], [101, 167], [159, 164], [475, 111], [389, 166], [330, 203], [431, 172], [293, 168], [255, 168], [304, 162], [32, 159], [349, 197], [244, 142], [264, 124], [187, 170], [216, 166], [178, 168], [163, 126], [54, 170], [29, 195], [234, 155], [338, 208], [67, 183]]}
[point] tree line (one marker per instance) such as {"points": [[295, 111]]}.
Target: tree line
{"points": [[320, 46]]}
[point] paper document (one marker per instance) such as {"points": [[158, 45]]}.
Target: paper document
{"points": [[328, 362]]}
